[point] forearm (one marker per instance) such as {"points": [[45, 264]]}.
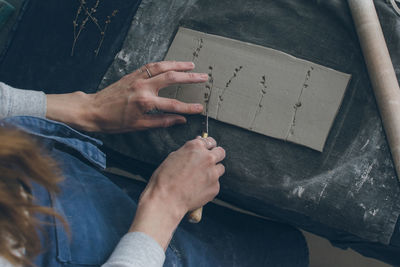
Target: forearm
{"points": [[136, 250], [157, 217], [155, 222], [74, 109]]}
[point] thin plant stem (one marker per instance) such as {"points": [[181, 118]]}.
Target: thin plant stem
{"points": [[89, 13]]}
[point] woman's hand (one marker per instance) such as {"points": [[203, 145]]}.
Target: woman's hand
{"points": [[185, 181], [131, 104]]}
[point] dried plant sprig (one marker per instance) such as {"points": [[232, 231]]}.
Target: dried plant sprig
{"points": [[89, 14], [103, 33]]}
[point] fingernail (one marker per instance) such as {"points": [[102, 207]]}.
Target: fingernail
{"points": [[204, 76], [199, 107], [193, 65]]}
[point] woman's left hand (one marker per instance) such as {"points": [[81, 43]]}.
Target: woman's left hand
{"points": [[130, 104]]}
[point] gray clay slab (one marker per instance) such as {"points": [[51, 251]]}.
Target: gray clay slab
{"points": [[260, 89]]}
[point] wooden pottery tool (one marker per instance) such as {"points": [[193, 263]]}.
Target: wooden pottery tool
{"points": [[195, 215], [381, 72]]}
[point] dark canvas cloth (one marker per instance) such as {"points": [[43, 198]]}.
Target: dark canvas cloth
{"points": [[39, 55], [350, 192]]}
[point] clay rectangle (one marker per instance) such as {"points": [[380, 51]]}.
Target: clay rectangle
{"points": [[260, 89]]}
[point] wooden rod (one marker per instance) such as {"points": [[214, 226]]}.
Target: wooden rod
{"points": [[381, 71], [195, 215]]}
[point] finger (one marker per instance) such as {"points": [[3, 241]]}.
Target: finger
{"points": [[156, 68], [218, 153], [209, 142], [174, 77], [176, 106], [219, 169], [162, 120]]}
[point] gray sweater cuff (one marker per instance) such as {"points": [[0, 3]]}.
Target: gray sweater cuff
{"points": [[137, 249], [17, 102]]}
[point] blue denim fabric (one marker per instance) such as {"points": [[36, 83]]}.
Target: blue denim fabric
{"points": [[99, 213]]}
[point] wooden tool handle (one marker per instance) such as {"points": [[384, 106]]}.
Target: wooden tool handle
{"points": [[381, 72], [195, 216]]}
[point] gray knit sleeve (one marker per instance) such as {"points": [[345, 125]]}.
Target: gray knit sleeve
{"points": [[136, 249], [17, 102]]}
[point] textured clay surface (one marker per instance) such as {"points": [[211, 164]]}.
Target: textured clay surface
{"points": [[260, 89]]}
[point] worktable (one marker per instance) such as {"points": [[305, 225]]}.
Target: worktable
{"points": [[349, 193]]}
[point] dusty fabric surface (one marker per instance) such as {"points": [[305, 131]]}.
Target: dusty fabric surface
{"points": [[351, 186]]}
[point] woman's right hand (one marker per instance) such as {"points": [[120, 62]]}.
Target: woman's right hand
{"points": [[185, 181]]}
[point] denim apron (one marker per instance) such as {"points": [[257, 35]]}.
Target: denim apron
{"points": [[99, 213]]}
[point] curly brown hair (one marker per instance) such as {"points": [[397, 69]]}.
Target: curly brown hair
{"points": [[21, 163]]}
